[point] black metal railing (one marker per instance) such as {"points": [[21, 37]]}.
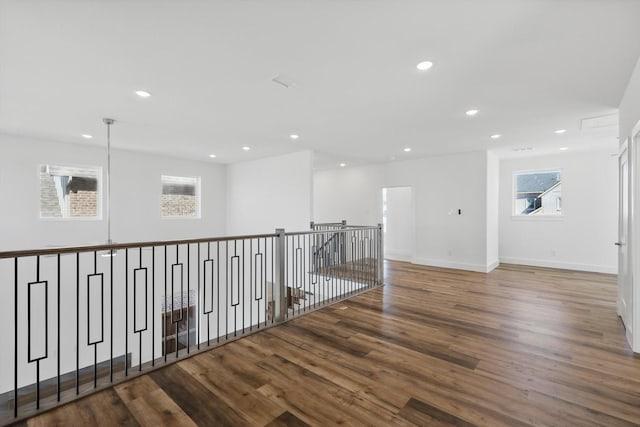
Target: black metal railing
{"points": [[84, 318]]}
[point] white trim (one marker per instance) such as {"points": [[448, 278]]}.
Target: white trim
{"points": [[514, 188], [99, 190], [395, 256], [480, 268], [561, 265], [546, 217], [623, 149], [492, 266], [634, 161]]}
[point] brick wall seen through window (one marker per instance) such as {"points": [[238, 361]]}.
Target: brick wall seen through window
{"points": [[180, 197]]}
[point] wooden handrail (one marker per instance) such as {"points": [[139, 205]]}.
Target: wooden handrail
{"points": [[117, 246], [339, 230]]}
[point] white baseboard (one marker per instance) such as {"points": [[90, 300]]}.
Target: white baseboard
{"points": [[480, 268], [492, 266], [394, 256], [561, 264]]}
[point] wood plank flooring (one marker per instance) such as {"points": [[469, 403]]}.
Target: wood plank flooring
{"points": [[520, 346]]}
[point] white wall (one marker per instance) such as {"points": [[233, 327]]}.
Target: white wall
{"points": [[135, 195], [441, 186], [630, 105], [270, 193], [582, 239], [493, 184], [629, 116], [398, 238]]}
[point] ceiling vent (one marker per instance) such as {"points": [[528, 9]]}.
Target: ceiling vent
{"points": [[284, 80], [600, 122]]}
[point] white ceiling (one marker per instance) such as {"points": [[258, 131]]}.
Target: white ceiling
{"points": [[530, 67]]}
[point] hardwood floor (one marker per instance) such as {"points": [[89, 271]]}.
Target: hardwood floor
{"points": [[516, 347]]}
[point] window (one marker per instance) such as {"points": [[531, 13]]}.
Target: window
{"points": [[70, 191], [538, 193], [180, 197]]}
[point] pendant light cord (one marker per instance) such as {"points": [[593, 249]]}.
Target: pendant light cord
{"points": [[108, 122]]}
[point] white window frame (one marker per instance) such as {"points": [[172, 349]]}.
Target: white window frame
{"points": [[197, 193], [514, 191], [99, 177]]}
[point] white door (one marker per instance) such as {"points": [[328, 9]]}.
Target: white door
{"points": [[625, 277], [397, 221]]}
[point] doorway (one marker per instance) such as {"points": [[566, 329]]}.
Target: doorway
{"points": [[397, 222], [625, 284]]}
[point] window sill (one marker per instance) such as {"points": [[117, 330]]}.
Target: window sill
{"points": [[181, 217], [537, 217], [77, 219]]}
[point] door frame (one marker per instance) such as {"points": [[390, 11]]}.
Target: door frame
{"points": [[634, 232], [625, 151]]}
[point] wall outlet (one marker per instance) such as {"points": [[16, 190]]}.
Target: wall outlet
{"points": [[449, 252], [553, 252]]}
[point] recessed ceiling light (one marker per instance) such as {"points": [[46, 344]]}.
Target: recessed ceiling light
{"points": [[471, 112], [406, 150], [560, 131], [213, 156], [496, 136], [564, 148], [143, 93], [87, 136], [424, 65], [294, 136], [246, 148], [343, 165]]}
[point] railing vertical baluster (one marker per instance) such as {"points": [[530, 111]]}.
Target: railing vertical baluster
{"points": [[198, 299], [251, 284], [218, 287], [165, 330], [135, 318], [313, 271], [244, 301], [380, 255], [273, 281], [354, 258], [95, 349], [328, 267], [153, 305], [77, 323], [227, 288], [111, 255], [372, 257], [310, 267], [359, 263], [295, 276], [305, 268], [279, 292], [58, 329], [235, 307], [343, 261], [204, 290], [29, 338], [264, 282], [173, 298], [126, 311], [188, 298], [15, 337]]}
